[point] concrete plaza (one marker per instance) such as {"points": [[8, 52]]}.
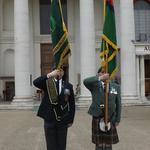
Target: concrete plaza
{"points": [[22, 130]]}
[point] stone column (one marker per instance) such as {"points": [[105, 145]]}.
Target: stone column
{"points": [[22, 53], [1, 15], [138, 75], [142, 78], [87, 46], [128, 59], [1, 21]]}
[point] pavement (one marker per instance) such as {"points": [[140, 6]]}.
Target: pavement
{"points": [[23, 130]]}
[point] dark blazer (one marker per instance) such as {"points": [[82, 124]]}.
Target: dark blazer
{"points": [[46, 111], [98, 96]]}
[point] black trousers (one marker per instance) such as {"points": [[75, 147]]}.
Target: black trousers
{"points": [[56, 136]]}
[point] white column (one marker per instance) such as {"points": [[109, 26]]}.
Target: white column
{"points": [[142, 78], [36, 32], [1, 16], [1, 21], [22, 51], [138, 75], [71, 26], [31, 50], [87, 46], [128, 60]]}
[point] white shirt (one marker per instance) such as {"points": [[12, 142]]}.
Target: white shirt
{"points": [[103, 85], [60, 85]]}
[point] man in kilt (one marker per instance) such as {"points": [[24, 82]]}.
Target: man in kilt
{"points": [[104, 139]]}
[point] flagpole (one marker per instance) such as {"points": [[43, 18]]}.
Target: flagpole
{"points": [[106, 82], [104, 9], [108, 52], [106, 91]]}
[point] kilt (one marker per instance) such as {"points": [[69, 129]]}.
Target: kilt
{"points": [[100, 137]]}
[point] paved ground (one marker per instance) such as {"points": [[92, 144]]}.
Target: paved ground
{"points": [[22, 130]]}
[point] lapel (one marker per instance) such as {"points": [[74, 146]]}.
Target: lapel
{"points": [[100, 95]]}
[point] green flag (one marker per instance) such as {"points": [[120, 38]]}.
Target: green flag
{"points": [[109, 47], [59, 34]]}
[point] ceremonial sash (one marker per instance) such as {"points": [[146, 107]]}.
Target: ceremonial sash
{"points": [[52, 91], [60, 110]]}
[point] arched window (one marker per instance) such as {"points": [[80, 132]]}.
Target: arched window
{"points": [[142, 20]]}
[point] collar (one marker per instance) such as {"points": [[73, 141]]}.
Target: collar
{"points": [[59, 80]]}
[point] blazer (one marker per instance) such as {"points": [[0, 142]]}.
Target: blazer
{"points": [[46, 109], [94, 85]]}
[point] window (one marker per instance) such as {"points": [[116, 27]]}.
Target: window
{"points": [[8, 15], [45, 15], [142, 21]]}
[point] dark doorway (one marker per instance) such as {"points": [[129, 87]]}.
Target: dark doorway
{"points": [[46, 58], [147, 77], [9, 90], [47, 61]]}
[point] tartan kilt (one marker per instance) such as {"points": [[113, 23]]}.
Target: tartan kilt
{"points": [[100, 137]]}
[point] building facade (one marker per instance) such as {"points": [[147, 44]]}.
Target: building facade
{"points": [[26, 50]]}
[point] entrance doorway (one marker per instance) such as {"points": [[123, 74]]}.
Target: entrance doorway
{"points": [[46, 58], [147, 77], [47, 61], [9, 91]]}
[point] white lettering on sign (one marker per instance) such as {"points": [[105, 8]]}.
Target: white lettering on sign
{"points": [[143, 50], [147, 48]]}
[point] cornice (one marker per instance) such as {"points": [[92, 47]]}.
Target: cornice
{"points": [[6, 40], [47, 39]]}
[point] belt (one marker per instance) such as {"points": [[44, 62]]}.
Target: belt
{"points": [[101, 116], [98, 117]]}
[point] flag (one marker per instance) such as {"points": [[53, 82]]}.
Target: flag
{"points": [[109, 47], [59, 34]]}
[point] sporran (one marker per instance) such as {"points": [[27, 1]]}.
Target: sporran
{"points": [[102, 125]]}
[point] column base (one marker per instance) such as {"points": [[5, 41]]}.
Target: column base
{"points": [[83, 101], [22, 103], [145, 100], [132, 100]]}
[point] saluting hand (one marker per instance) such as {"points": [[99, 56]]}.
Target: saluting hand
{"points": [[54, 73], [104, 77]]}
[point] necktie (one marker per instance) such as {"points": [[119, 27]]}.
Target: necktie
{"points": [[57, 86], [104, 86]]}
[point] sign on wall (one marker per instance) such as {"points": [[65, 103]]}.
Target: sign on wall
{"points": [[142, 49]]}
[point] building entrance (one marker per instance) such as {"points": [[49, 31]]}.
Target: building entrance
{"points": [[47, 61], [9, 91], [46, 58], [147, 77]]}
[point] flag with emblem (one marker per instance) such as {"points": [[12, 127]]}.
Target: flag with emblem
{"points": [[59, 34], [109, 47]]}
